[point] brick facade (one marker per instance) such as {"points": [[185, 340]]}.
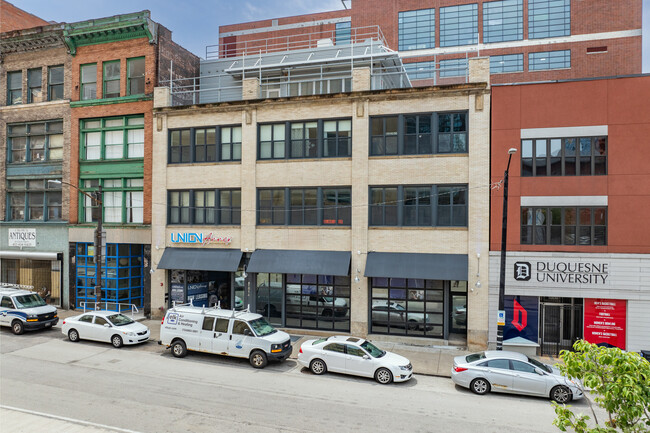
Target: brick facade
{"points": [[622, 55], [33, 112], [621, 104], [13, 18], [358, 172]]}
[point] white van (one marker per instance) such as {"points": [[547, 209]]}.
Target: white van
{"points": [[24, 310], [241, 334]]}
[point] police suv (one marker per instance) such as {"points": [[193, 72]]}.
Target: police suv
{"points": [[24, 310], [241, 334]]}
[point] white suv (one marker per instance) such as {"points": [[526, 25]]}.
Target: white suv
{"points": [[24, 310], [223, 332]]}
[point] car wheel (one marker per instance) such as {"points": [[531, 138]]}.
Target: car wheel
{"points": [[258, 359], [383, 376], [326, 313], [412, 325], [480, 386], [318, 366], [561, 394], [17, 327], [179, 350], [116, 341], [73, 335]]}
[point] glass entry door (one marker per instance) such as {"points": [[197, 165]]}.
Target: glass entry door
{"points": [[269, 298], [458, 308]]}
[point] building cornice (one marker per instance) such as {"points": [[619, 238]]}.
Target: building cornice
{"points": [[111, 29], [109, 101], [34, 39], [367, 95]]}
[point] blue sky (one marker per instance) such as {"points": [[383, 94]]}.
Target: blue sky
{"points": [[195, 23]]}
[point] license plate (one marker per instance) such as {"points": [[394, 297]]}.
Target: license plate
{"points": [[47, 325]]}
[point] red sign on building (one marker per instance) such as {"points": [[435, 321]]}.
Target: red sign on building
{"points": [[605, 321]]}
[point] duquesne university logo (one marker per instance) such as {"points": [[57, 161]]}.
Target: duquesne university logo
{"points": [[522, 271]]}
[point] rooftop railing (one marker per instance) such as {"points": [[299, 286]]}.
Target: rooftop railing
{"points": [[303, 41]]}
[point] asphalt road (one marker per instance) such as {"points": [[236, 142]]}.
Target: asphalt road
{"points": [[146, 389]]}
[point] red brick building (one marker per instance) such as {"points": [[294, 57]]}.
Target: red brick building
{"points": [[527, 40], [13, 18], [116, 64], [578, 251]]}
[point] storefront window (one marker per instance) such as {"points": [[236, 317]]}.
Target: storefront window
{"points": [[43, 275], [122, 276], [318, 302], [403, 306]]}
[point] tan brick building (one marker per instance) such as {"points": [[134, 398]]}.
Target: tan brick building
{"points": [[365, 211]]}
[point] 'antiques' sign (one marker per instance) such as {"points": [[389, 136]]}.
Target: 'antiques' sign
{"points": [[22, 237], [562, 272]]}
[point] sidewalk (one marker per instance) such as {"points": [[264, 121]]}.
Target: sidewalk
{"points": [[428, 360], [24, 421]]}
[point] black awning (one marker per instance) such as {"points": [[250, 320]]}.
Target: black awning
{"points": [[200, 259], [412, 265], [300, 262]]}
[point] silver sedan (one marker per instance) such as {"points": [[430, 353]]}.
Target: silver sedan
{"points": [[513, 372]]}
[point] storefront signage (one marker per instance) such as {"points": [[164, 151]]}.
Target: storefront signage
{"points": [[177, 292], [199, 238], [521, 319], [22, 237], [197, 294], [568, 272], [605, 321]]}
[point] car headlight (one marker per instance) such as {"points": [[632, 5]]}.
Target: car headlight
{"points": [[405, 367], [276, 348], [32, 316], [573, 382], [130, 334]]}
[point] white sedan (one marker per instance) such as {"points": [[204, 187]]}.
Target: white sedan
{"points": [[105, 326], [352, 355]]}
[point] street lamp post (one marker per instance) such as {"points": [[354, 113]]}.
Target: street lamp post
{"points": [[97, 200], [504, 235]]}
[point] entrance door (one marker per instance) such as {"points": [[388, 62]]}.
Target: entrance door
{"points": [[269, 299], [561, 320], [458, 313]]}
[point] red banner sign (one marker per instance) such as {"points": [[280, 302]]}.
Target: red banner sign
{"points": [[605, 321]]}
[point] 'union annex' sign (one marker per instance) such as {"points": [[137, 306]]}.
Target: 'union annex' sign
{"points": [[199, 238]]}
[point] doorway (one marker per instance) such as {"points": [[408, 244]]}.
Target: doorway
{"points": [[269, 297], [458, 308], [561, 320]]}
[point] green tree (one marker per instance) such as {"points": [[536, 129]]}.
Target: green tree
{"points": [[619, 382]]}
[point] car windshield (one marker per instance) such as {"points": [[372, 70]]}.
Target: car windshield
{"points": [[29, 301], [538, 364], [373, 350], [319, 341], [262, 327], [119, 319], [475, 357]]}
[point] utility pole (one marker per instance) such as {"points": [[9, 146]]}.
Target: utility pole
{"points": [[504, 235], [98, 200]]}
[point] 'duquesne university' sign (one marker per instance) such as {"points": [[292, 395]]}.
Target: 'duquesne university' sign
{"points": [[199, 238], [568, 272]]}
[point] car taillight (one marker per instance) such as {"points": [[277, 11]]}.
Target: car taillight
{"points": [[459, 369], [300, 350], [163, 321], [64, 322]]}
